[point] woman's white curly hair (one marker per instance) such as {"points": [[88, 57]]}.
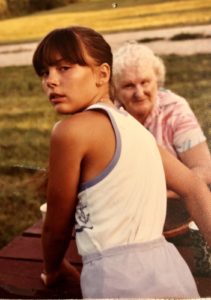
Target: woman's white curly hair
{"points": [[136, 54]]}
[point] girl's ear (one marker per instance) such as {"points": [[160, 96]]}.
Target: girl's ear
{"points": [[103, 74]]}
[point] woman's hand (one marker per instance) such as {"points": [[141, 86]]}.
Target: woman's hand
{"points": [[70, 271]]}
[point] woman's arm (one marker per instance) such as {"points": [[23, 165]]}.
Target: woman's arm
{"points": [[198, 159], [192, 189], [189, 140]]}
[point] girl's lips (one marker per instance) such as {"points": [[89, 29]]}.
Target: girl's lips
{"points": [[56, 98]]}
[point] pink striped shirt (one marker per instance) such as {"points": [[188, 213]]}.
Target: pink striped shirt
{"points": [[173, 123]]}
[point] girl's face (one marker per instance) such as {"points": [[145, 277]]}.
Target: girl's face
{"points": [[136, 90], [70, 87]]}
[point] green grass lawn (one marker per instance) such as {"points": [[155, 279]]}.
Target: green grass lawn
{"points": [[100, 15], [27, 118]]}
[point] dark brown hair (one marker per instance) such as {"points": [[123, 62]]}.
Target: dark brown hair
{"points": [[73, 44]]}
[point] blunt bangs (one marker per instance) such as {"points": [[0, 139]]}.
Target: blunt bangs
{"points": [[60, 42]]}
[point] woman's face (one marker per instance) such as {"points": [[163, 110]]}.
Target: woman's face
{"points": [[69, 87], [136, 90]]}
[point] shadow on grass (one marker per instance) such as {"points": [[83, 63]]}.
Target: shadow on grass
{"points": [[20, 201], [176, 37]]}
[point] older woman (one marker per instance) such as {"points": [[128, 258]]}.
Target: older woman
{"points": [[138, 76]]}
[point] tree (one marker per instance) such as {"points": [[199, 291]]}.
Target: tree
{"points": [[3, 8]]}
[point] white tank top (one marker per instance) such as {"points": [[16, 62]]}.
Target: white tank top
{"points": [[126, 202]]}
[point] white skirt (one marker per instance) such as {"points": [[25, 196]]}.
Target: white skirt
{"points": [[153, 269]]}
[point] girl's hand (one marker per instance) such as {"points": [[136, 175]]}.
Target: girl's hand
{"points": [[66, 272], [50, 278]]}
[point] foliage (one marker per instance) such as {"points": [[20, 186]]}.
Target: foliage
{"points": [[14, 8], [3, 8], [48, 4]]}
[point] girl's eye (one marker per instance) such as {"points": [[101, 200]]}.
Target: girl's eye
{"points": [[44, 73], [64, 68]]}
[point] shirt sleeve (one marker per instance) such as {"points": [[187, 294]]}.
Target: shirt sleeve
{"points": [[187, 130]]}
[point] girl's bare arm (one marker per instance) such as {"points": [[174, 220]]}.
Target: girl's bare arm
{"points": [[64, 172]]}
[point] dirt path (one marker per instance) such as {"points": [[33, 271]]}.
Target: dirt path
{"points": [[22, 54]]}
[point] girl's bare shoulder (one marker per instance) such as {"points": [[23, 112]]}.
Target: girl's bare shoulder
{"points": [[86, 125]]}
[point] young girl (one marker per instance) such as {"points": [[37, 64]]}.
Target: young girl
{"points": [[106, 177]]}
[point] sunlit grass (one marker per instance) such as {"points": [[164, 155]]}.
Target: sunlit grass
{"points": [[106, 19]]}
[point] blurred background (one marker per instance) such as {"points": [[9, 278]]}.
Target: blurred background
{"points": [[26, 117]]}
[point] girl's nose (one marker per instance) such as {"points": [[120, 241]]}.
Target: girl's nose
{"points": [[52, 78]]}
